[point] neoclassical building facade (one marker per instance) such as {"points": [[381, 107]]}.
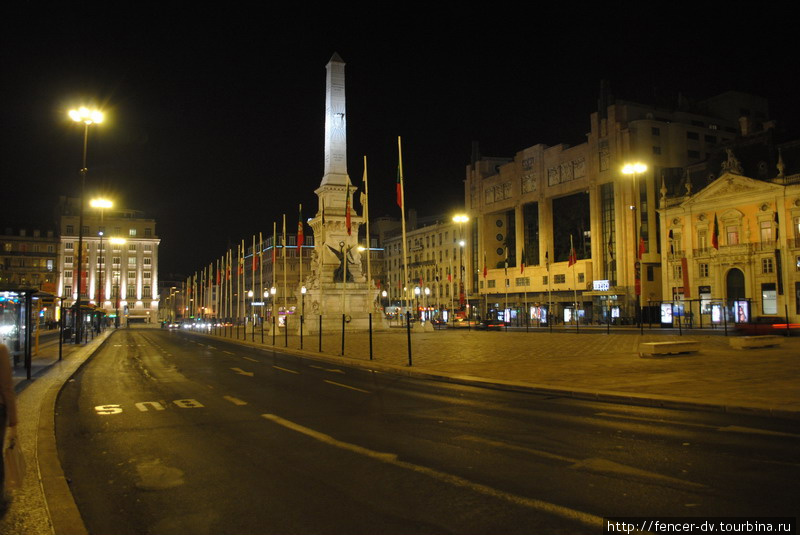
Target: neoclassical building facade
{"points": [[551, 204]]}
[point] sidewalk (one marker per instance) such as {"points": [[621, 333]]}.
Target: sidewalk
{"points": [[45, 498]]}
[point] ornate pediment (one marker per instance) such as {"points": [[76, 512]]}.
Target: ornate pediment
{"points": [[730, 185]]}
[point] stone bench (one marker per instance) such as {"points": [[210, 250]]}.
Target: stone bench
{"points": [[652, 349], [747, 342]]}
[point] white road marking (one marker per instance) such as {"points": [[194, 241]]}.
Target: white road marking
{"points": [[251, 360], [235, 401], [347, 386], [242, 372], [228, 352], [592, 464], [331, 370], [457, 481], [286, 370]]}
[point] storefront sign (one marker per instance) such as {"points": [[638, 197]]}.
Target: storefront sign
{"points": [[601, 286]]}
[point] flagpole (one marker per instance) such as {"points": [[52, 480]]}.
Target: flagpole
{"points": [[549, 293], [505, 283], [402, 199], [283, 251], [261, 278], [366, 222], [574, 284], [299, 241], [274, 271], [253, 284]]}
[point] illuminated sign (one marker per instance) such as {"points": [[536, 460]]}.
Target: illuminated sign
{"points": [[601, 286]]}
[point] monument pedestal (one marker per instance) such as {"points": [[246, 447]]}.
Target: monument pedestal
{"points": [[332, 301]]}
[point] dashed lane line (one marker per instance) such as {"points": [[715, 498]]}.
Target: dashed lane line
{"points": [[286, 370], [457, 481], [347, 386]]}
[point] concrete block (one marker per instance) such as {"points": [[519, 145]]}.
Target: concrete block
{"points": [[748, 342], [651, 349]]}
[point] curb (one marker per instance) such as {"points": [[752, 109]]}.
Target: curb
{"points": [[65, 518]]}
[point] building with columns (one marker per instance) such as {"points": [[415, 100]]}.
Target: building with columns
{"points": [[731, 230], [120, 261], [548, 201]]}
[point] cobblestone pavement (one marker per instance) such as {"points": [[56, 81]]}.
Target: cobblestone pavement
{"points": [[764, 379]]}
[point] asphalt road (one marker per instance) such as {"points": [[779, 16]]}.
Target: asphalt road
{"points": [[168, 433]]}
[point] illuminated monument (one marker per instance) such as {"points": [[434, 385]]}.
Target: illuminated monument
{"points": [[337, 284]]}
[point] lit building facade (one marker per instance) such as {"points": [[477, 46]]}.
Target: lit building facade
{"points": [[120, 266], [435, 247], [549, 201], [733, 247]]}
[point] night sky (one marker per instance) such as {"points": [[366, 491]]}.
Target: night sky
{"points": [[215, 120]]}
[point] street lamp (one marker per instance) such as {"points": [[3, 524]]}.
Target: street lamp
{"points": [[101, 204], [116, 241], [425, 304], [461, 219], [637, 169], [87, 117]]}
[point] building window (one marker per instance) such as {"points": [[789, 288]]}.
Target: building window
{"points": [[559, 279], [694, 154], [692, 135], [769, 300], [766, 265], [132, 247], [131, 275], [656, 149], [732, 231], [69, 246], [68, 274], [703, 270], [68, 291], [131, 260], [148, 232], [146, 292], [766, 231], [132, 232], [581, 277], [131, 292], [146, 275], [651, 273], [522, 281], [147, 248], [655, 131], [147, 261], [710, 139], [70, 230], [677, 272], [702, 240], [544, 280], [491, 284], [68, 260]]}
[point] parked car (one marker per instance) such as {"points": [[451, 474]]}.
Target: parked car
{"points": [[490, 325]]}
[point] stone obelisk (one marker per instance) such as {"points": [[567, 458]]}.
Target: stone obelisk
{"points": [[337, 287]]}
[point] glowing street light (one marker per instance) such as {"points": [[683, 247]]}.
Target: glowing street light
{"points": [[461, 219], [636, 169], [87, 117]]}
